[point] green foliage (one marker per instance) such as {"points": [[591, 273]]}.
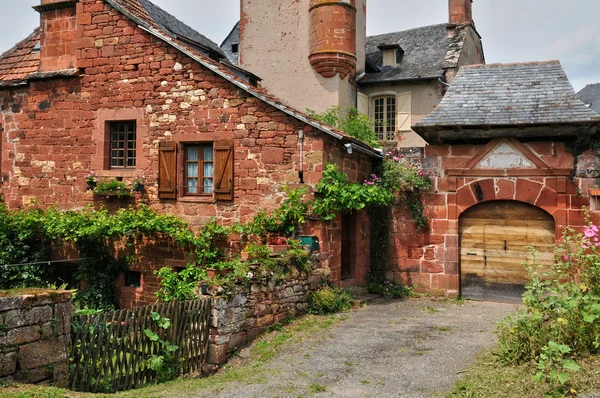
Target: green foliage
{"points": [[180, 285], [164, 361], [561, 321], [402, 182], [337, 193], [112, 188], [390, 289], [350, 121], [23, 241], [329, 300]]}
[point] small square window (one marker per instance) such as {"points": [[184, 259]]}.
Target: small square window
{"points": [[198, 169], [235, 48], [123, 140], [133, 279]]}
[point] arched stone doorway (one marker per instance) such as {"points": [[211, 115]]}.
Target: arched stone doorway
{"points": [[494, 237]]}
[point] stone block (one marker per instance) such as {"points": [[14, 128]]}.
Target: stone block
{"points": [[60, 375], [8, 363], [217, 354], [237, 340], [43, 352], [23, 317], [62, 313], [32, 376], [20, 336]]}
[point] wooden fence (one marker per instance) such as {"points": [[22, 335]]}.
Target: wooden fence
{"points": [[110, 351]]}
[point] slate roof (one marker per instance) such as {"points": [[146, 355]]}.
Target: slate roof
{"points": [[424, 48], [232, 38], [21, 60], [517, 94], [590, 95], [157, 17]]}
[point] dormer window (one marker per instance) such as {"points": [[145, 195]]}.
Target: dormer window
{"points": [[392, 54]]}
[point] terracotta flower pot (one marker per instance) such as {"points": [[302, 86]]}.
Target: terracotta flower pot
{"points": [[594, 192], [278, 248]]}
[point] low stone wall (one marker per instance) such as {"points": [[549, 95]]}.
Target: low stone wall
{"points": [[238, 320], [34, 336]]}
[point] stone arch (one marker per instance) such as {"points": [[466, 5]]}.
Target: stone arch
{"points": [[531, 191]]}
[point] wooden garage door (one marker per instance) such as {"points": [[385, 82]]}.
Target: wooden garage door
{"points": [[494, 237]]}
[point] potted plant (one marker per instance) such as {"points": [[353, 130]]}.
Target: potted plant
{"points": [[138, 184], [112, 189], [90, 180], [278, 244]]}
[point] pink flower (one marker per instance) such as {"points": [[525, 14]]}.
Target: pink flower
{"points": [[396, 158], [594, 228], [402, 156], [589, 232], [566, 258]]}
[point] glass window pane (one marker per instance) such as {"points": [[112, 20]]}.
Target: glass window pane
{"points": [[192, 169], [208, 153], [192, 153], [208, 185], [209, 169], [192, 185]]}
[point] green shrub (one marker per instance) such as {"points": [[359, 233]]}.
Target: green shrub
{"points": [[112, 188], [389, 289], [329, 301]]}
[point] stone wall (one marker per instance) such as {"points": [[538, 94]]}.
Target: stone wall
{"points": [[34, 337], [465, 175], [238, 320]]}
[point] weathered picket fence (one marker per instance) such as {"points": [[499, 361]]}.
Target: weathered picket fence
{"points": [[111, 351]]}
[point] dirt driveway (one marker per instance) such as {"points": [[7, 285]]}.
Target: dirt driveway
{"points": [[412, 348]]}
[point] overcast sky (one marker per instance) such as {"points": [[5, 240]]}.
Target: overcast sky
{"points": [[512, 30]]}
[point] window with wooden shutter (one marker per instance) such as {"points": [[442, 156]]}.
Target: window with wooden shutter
{"points": [[223, 176], [167, 170]]}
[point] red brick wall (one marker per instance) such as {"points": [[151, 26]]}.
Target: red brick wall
{"points": [[52, 131], [431, 259]]}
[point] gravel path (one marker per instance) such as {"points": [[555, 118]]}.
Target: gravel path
{"points": [[413, 348]]}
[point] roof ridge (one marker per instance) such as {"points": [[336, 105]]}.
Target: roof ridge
{"points": [[496, 65], [408, 30]]}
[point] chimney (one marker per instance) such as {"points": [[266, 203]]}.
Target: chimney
{"points": [[58, 35], [461, 12]]}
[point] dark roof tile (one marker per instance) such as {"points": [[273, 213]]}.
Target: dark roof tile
{"points": [[590, 95], [509, 94], [424, 48]]}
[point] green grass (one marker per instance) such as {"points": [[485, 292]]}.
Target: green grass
{"points": [[315, 388], [444, 328], [491, 378], [251, 371]]}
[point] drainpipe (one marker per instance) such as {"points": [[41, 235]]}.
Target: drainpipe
{"points": [[301, 171]]}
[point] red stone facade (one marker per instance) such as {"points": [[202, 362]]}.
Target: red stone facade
{"points": [[54, 131], [333, 37], [461, 12], [431, 259]]}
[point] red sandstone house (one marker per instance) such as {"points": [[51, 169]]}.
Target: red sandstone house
{"points": [[122, 88], [501, 180]]}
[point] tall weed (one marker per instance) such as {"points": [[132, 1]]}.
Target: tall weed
{"points": [[561, 319]]}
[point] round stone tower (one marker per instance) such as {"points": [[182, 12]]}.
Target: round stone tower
{"points": [[333, 37]]}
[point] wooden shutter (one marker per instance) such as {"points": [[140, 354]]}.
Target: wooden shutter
{"points": [[167, 170], [224, 170], [362, 103], [404, 112]]}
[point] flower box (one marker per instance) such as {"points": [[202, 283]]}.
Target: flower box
{"points": [[212, 272], [278, 248], [594, 191]]}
